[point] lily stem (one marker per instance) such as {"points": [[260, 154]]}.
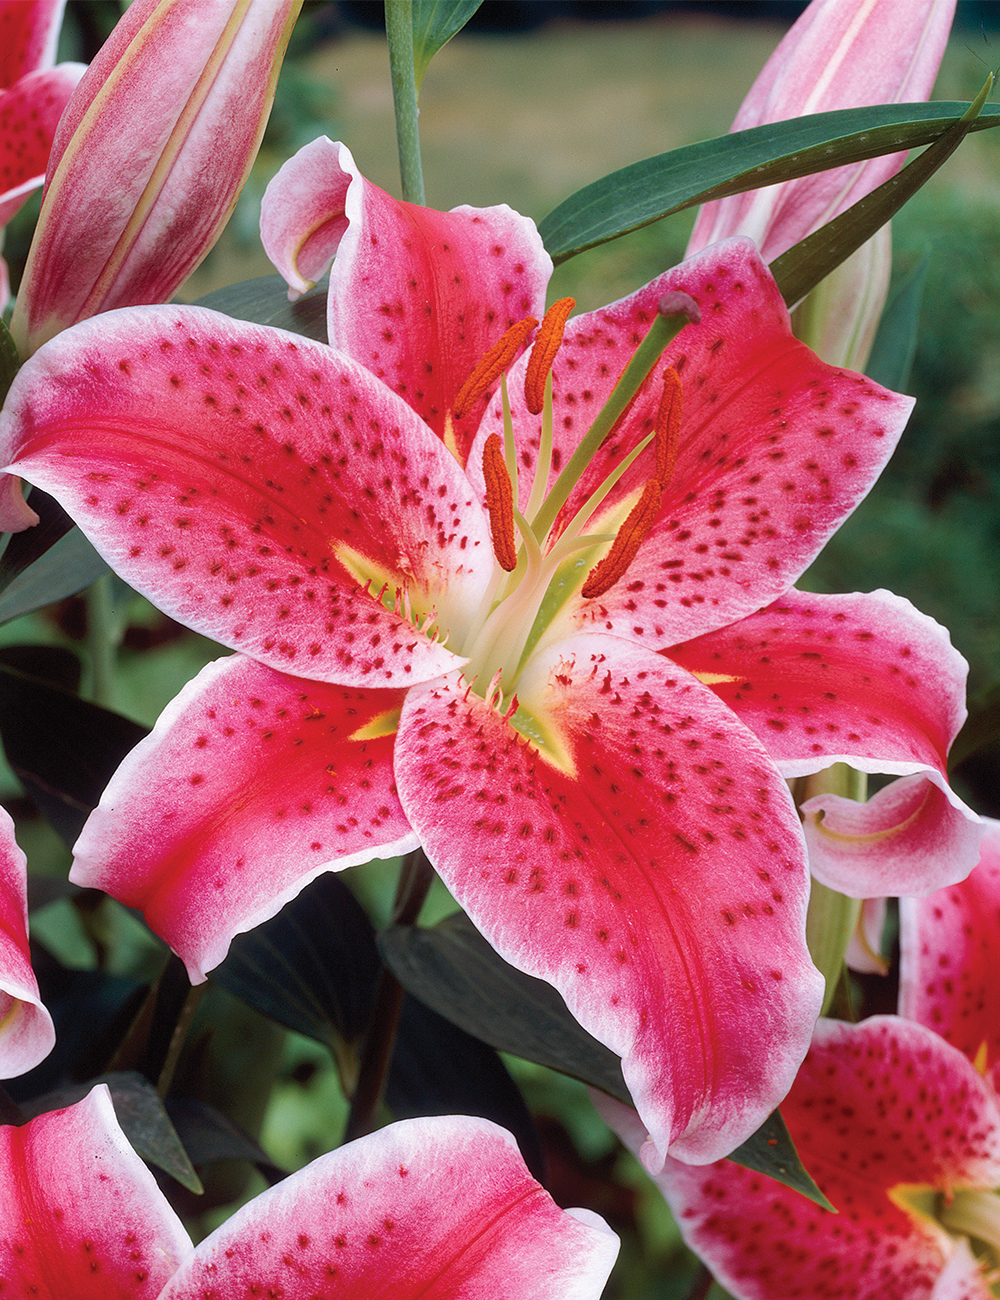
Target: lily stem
{"points": [[415, 879], [399, 33], [103, 635]]}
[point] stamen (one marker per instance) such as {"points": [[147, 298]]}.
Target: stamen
{"points": [[499, 503], [630, 537], [543, 353], [668, 426], [492, 364]]}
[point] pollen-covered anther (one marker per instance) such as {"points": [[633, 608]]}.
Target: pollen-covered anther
{"points": [[543, 353], [668, 426], [492, 364], [500, 503], [630, 537]]}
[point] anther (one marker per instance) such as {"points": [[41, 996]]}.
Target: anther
{"points": [[499, 503], [543, 353], [630, 537], [492, 364], [668, 426]]}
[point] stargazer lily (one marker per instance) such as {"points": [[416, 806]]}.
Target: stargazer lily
{"points": [[438, 1208], [495, 661], [33, 95], [26, 1031], [838, 54], [899, 1125]]}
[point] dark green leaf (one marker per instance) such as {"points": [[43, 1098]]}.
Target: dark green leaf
{"points": [[435, 22], [771, 1151], [9, 361], [63, 749], [143, 1119], [264, 301], [803, 266], [208, 1136], [646, 191], [895, 344], [454, 970], [46, 563]]}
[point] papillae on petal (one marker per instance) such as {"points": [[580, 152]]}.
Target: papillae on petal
{"points": [[644, 857], [251, 784]]}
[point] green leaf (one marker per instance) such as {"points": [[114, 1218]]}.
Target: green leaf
{"points": [[46, 563], [804, 265], [452, 969], [895, 343], [771, 1151], [435, 22], [765, 155], [264, 301], [9, 360], [143, 1119]]}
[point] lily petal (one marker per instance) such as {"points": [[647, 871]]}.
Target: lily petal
{"points": [[877, 1108], [29, 34], [776, 448], [865, 680], [80, 1214], [948, 955], [251, 784], [26, 1031], [839, 54], [204, 73], [252, 483], [29, 114], [645, 860], [435, 1209], [416, 295]]}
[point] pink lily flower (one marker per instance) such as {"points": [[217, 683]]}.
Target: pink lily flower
{"points": [[26, 1031], [173, 108], [33, 95], [839, 54], [547, 733], [897, 1118], [439, 1207]]}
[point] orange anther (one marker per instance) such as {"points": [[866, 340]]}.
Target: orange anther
{"points": [[492, 364], [631, 535], [543, 353], [499, 503], [668, 426]]}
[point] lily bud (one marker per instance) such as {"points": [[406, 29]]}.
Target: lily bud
{"points": [[839, 54], [150, 156]]}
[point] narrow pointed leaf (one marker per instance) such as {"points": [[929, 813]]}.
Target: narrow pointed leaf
{"points": [[452, 969], [645, 191], [9, 360], [800, 270], [264, 301], [891, 358], [435, 22], [771, 1151], [46, 563], [143, 1119]]}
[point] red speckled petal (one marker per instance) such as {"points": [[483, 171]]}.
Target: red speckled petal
{"points": [[29, 113], [865, 680], [26, 1032], [80, 1214], [653, 871], [416, 295], [29, 33], [251, 784], [878, 1104], [426, 1209], [776, 448], [948, 958], [233, 474]]}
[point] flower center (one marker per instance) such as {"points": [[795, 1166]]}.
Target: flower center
{"points": [[537, 565], [970, 1213]]}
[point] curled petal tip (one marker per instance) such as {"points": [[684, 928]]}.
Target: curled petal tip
{"points": [[15, 513]]}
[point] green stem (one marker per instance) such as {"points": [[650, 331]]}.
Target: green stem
{"points": [[102, 640], [415, 880], [399, 33]]}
